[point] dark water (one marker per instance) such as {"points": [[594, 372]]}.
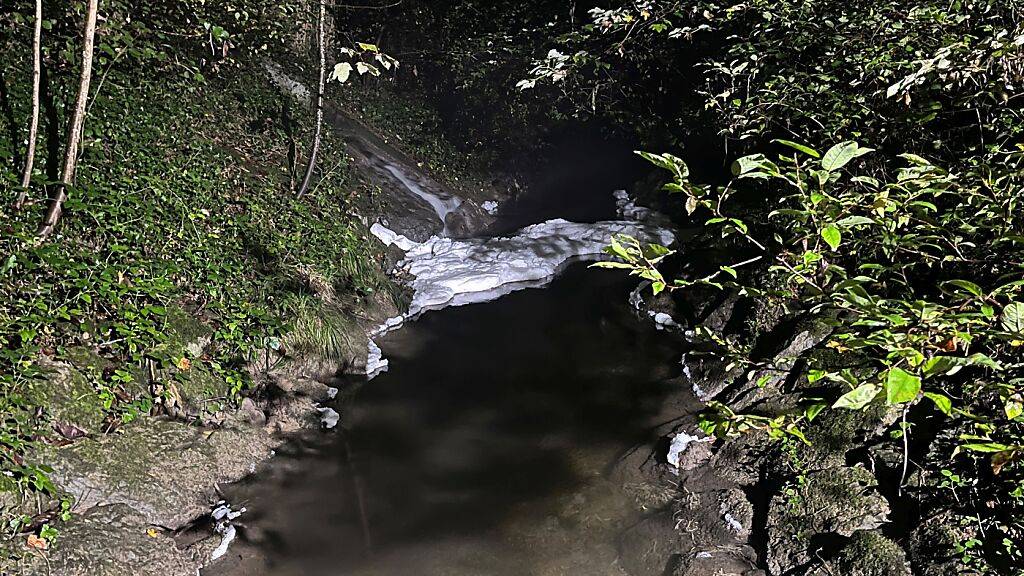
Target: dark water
{"points": [[484, 450]]}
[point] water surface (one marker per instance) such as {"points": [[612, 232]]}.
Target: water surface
{"points": [[483, 451]]}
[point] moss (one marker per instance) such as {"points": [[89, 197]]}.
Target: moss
{"points": [[201, 389], [869, 553], [184, 328], [68, 394]]}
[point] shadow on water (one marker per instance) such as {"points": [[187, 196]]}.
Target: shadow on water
{"points": [[461, 459]]}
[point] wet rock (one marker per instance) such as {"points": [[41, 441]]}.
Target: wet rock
{"points": [[719, 561], [468, 220], [868, 553], [112, 540], [652, 546], [840, 501], [165, 470], [719, 316]]}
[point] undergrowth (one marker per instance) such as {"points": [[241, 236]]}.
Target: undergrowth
{"points": [[182, 202]]}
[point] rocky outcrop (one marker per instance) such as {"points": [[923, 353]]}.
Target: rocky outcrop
{"points": [[112, 540], [837, 502]]}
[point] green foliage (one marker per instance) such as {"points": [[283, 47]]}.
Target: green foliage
{"points": [[182, 199], [919, 275]]}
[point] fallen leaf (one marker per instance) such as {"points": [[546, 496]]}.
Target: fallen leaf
{"points": [[69, 430]]}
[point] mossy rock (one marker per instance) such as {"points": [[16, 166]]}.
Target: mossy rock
{"points": [[110, 540], [186, 334], [868, 553], [201, 389], [164, 470], [68, 393], [839, 501]]}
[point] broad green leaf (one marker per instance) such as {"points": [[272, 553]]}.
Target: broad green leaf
{"points": [[965, 286], [901, 386], [986, 447], [839, 156], [832, 236], [806, 150], [747, 164], [859, 397], [915, 159], [342, 72], [812, 411], [942, 402], [1012, 318]]}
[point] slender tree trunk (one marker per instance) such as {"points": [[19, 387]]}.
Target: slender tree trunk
{"points": [[311, 166], [33, 130], [75, 130]]}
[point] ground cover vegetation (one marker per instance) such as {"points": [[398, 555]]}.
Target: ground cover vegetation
{"points": [[181, 220]]}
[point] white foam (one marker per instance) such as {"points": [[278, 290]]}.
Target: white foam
{"points": [[680, 443], [390, 237], [375, 361], [454, 272]]}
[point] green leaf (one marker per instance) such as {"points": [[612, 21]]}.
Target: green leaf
{"points": [[859, 397], [619, 265], [942, 402], [669, 162], [342, 72], [986, 447], [832, 236], [966, 286], [809, 151], [915, 159], [1012, 318], [812, 411], [901, 386], [839, 156], [1013, 408], [748, 164], [850, 221]]}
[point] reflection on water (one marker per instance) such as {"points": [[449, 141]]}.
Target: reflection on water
{"points": [[481, 452]]}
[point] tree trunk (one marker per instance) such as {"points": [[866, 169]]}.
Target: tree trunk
{"points": [[311, 166], [33, 130], [75, 130]]}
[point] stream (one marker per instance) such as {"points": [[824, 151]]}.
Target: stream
{"points": [[482, 445], [483, 450]]}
